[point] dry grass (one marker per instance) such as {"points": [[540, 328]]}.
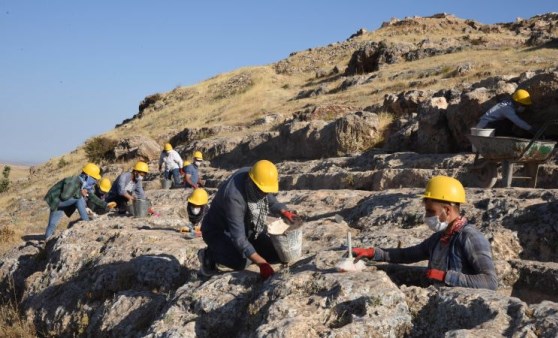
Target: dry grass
{"points": [[12, 324]]}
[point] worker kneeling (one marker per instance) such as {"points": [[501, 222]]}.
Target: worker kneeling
{"points": [[234, 228], [458, 254]]}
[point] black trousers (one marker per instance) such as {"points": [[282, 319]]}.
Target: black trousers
{"points": [[222, 251]]}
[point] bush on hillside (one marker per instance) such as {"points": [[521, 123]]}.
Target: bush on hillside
{"points": [[62, 163], [149, 101], [5, 181], [100, 149]]}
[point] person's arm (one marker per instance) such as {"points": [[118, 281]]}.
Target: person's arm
{"points": [[478, 254], [275, 207], [188, 176], [139, 190], [161, 159], [235, 212], [413, 254], [178, 159], [99, 203], [512, 116], [122, 182]]}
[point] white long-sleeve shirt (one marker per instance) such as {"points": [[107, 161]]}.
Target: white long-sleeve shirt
{"points": [[170, 160], [501, 111]]}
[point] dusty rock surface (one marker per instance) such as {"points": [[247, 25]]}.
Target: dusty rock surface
{"points": [[138, 277]]}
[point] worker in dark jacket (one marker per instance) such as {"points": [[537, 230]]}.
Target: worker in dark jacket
{"points": [[96, 200], [458, 254], [128, 186], [69, 194], [234, 228]]}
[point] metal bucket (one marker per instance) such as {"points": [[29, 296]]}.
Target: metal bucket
{"points": [[288, 245], [166, 184], [140, 207], [481, 132]]}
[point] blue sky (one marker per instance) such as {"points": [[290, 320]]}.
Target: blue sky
{"points": [[70, 70]]}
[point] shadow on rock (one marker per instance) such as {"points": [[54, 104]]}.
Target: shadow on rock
{"points": [[123, 289], [445, 313]]}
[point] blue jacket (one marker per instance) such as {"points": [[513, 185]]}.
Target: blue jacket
{"points": [[501, 111], [468, 261], [119, 187], [228, 214]]}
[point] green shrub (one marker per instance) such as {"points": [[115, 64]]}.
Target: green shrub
{"points": [[6, 171], [5, 181], [62, 163], [4, 185], [100, 149], [149, 101]]}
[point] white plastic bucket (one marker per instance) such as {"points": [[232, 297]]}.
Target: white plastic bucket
{"points": [[481, 132], [287, 244]]}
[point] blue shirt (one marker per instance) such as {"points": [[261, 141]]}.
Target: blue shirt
{"points": [[501, 111], [192, 170], [119, 187]]}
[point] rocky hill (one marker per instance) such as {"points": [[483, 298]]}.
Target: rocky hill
{"points": [[356, 128]]}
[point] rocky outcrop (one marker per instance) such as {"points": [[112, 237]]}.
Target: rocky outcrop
{"points": [[373, 55], [295, 139], [137, 147], [138, 277]]}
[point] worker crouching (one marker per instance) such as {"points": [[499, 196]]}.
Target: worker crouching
{"points": [[234, 228]]}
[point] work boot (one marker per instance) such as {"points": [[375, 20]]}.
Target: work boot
{"points": [[207, 265]]}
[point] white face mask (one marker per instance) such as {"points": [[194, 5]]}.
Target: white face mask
{"points": [[197, 163], [434, 223], [196, 211], [139, 178]]}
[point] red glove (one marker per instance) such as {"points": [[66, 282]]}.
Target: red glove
{"points": [[291, 217], [181, 171], [266, 270], [363, 253], [438, 275]]}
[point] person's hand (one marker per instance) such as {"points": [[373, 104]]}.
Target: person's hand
{"points": [[266, 270], [111, 205], [363, 253], [435, 274], [84, 192], [291, 217]]}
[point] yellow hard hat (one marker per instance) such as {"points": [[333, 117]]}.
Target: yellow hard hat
{"points": [[187, 163], [168, 147], [142, 167], [522, 96], [198, 155], [91, 169], [105, 185], [198, 197], [444, 188], [264, 174]]}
